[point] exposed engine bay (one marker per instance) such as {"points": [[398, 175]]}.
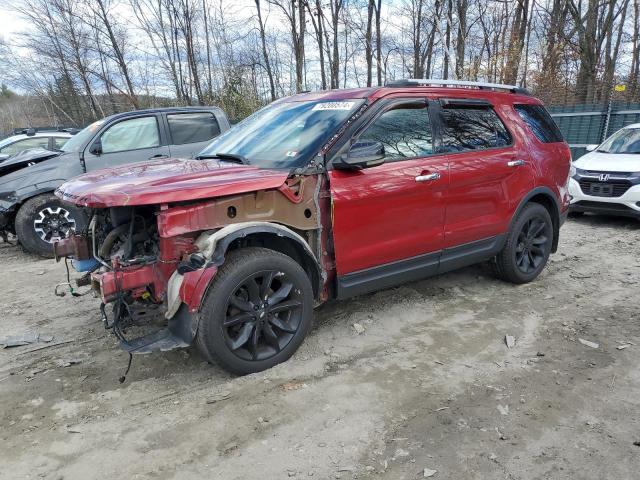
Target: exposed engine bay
{"points": [[128, 235], [122, 261]]}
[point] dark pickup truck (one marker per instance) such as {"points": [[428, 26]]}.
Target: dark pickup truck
{"points": [[28, 207]]}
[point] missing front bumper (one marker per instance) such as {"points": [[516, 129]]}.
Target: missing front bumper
{"points": [[179, 333]]}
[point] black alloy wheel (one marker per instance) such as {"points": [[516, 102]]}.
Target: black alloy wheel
{"points": [[527, 246], [263, 314], [532, 250], [257, 311]]}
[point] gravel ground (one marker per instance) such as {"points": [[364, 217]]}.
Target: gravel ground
{"points": [[429, 383]]}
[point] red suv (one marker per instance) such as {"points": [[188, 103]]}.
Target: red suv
{"points": [[320, 196]]}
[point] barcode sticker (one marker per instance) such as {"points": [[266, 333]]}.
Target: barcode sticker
{"points": [[334, 106]]}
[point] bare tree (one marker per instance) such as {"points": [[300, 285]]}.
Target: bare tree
{"points": [[265, 53], [294, 11]]}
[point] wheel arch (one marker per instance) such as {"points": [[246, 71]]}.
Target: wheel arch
{"points": [[545, 197], [267, 235], [12, 211]]}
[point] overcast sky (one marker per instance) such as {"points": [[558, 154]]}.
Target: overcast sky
{"points": [[10, 22]]}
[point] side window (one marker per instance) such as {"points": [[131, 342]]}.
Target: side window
{"points": [[131, 135], [540, 123], [58, 142], [20, 145], [405, 132], [472, 128], [192, 127]]}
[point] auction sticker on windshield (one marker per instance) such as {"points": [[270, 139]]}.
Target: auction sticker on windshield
{"points": [[334, 106]]}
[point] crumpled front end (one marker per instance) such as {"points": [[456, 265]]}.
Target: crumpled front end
{"points": [[152, 265], [128, 265]]}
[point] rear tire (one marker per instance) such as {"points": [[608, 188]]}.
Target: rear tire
{"points": [[44, 219], [257, 311], [528, 246]]}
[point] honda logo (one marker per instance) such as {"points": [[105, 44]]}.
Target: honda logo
{"points": [[604, 177]]}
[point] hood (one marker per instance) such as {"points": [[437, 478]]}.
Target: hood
{"points": [[609, 162], [26, 158], [167, 181]]}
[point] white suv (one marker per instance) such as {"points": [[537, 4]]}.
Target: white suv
{"points": [[49, 140], [607, 179]]}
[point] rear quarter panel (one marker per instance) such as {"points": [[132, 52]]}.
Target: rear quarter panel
{"points": [[551, 161]]}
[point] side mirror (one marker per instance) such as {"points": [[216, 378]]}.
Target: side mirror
{"points": [[363, 155], [591, 148], [96, 148]]}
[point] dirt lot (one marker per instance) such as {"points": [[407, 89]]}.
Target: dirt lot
{"points": [[429, 384]]}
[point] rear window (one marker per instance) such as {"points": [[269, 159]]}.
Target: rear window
{"points": [[472, 128], [192, 127], [540, 123]]}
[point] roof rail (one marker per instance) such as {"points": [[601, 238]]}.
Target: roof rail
{"points": [[31, 131], [419, 82]]}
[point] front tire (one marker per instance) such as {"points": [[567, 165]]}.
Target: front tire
{"points": [[45, 219], [257, 312], [528, 245]]}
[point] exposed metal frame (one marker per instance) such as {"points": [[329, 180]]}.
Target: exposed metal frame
{"points": [[457, 83]]}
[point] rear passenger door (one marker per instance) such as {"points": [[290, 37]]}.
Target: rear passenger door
{"points": [[488, 169], [190, 132]]}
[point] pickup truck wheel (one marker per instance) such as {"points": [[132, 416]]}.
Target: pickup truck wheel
{"points": [[257, 311], [528, 245], [45, 219]]}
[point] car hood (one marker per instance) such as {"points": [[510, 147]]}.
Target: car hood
{"points": [[26, 158], [167, 181], [609, 162]]}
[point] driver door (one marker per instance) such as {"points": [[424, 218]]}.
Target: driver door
{"points": [[127, 141], [388, 220]]}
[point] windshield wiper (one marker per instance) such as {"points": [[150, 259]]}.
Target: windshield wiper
{"points": [[231, 157]]}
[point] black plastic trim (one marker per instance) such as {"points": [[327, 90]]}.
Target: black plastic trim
{"points": [[417, 268], [606, 208], [388, 275], [470, 253], [464, 102]]}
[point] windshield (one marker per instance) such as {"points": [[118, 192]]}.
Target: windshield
{"points": [[284, 135], [80, 139], [626, 140]]}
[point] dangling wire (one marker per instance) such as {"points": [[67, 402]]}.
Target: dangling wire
{"points": [[124, 377], [68, 284]]}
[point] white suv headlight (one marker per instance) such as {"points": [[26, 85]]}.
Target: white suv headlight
{"points": [[572, 171]]}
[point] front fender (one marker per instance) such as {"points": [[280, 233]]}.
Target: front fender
{"points": [[190, 287]]}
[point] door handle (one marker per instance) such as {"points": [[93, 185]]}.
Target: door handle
{"points": [[516, 163], [428, 178], [155, 157]]}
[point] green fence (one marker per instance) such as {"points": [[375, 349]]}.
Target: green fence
{"points": [[588, 124]]}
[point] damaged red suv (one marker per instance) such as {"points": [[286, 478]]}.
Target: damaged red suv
{"points": [[315, 197]]}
